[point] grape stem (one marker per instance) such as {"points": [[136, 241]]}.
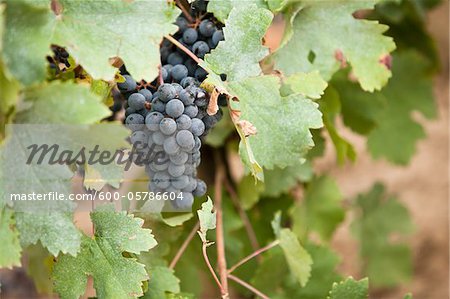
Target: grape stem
{"points": [[184, 246], [220, 240], [184, 10], [248, 286], [254, 254], [183, 48], [208, 263], [248, 226]]}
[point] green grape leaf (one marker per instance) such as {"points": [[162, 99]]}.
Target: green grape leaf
{"points": [[350, 289], [274, 145], [397, 133], [297, 257], [207, 219], [125, 232], [239, 55], [321, 211], [374, 235], [339, 32], [9, 95], [26, 39], [52, 103], [162, 280], [323, 272], [280, 180], [386, 115], [249, 191], [101, 257], [271, 272], [9, 240], [330, 106], [309, 85], [222, 8], [55, 230], [134, 34], [39, 268]]}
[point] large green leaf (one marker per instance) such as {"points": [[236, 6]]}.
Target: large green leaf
{"points": [[65, 103], [222, 8], [386, 262], [162, 280], [282, 123], [239, 55], [95, 31], [9, 240], [386, 115], [325, 33], [321, 211], [26, 41], [101, 257]]}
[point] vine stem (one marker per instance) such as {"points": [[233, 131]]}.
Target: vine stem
{"points": [[183, 247], [208, 263], [248, 226], [184, 11], [220, 240], [248, 286], [183, 48], [256, 253]]}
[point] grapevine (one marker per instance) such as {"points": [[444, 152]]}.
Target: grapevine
{"points": [[220, 149]]}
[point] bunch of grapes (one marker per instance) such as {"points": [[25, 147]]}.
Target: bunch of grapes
{"points": [[170, 121]]}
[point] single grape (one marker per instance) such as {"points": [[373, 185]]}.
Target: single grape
{"points": [[168, 126], [184, 122], [198, 144], [185, 202], [158, 105], [209, 121], [217, 37], [164, 52], [182, 23], [165, 75], [206, 28], [201, 102], [129, 111], [185, 139], [180, 182], [200, 74], [166, 92], [175, 58], [191, 111], [222, 100], [174, 108], [128, 85], [179, 72], [188, 81], [134, 121], [197, 127], [159, 166], [152, 120], [192, 184], [159, 138], [179, 158], [200, 190], [147, 94], [136, 101], [161, 180], [175, 170], [189, 169], [139, 139], [178, 88], [170, 146], [155, 95], [200, 48], [190, 36], [187, 97]]}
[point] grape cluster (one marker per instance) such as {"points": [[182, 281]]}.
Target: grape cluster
{"points": [[170, 121], [200, 40]]}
